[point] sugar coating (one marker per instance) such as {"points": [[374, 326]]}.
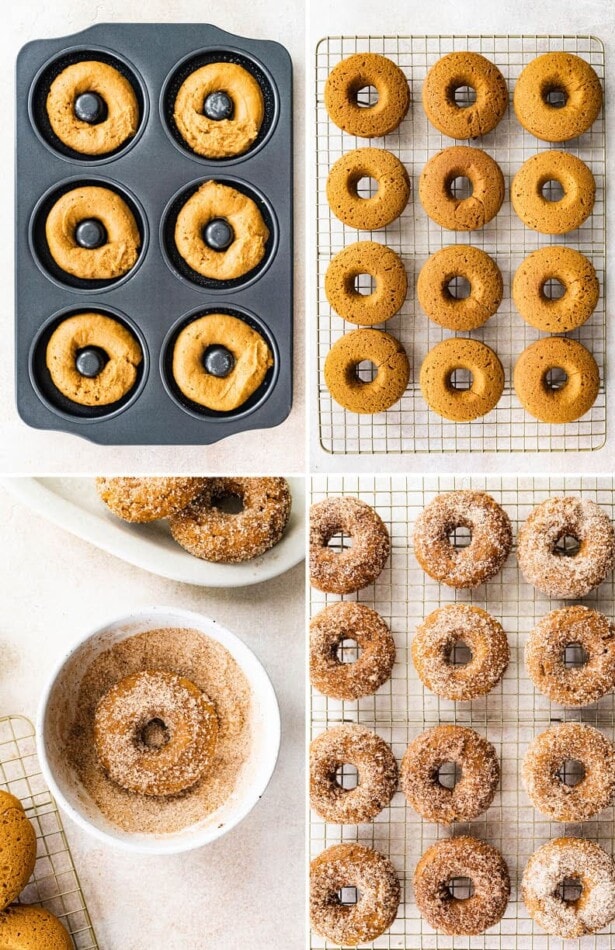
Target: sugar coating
{"points": [[357, 566]]}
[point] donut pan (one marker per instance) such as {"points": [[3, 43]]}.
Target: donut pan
{"points": [[155, 172], [510, 716]]}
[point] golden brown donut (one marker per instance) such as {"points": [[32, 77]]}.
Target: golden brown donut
{"points": [[116, 256], [18, 848], [568, 212], [368, 214], [29, 927], [141, 500], [464, 69], [213, 138], [575, 273], [487, 379], [356, 72], [122, 109], [461, 214], [392, 371], [564, 73], [574, 396], [353, 568], [386, 269], [483, 276]]}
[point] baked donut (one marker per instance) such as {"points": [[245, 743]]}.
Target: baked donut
{"points": [[111, 115], [438, 199], [577, 83], [482, 558], [390, 381], [147, 499], [376, 779], [575, 574], [561, 215], [390, 199], [478, 269], [470, 752], [117, 350], [435, 641], [204, 529], [353, 568], [451, 858], [577, 277], [29, 927], [550, 868], [388, 273], [155, 733], [354, 73], [450, 73], [438, 371], [116, 227], [224, 387], [18, 848], [547, 756], [213, 202], [378, 894], [571, 398], [348, 620], [219, 110], [545, 652]]}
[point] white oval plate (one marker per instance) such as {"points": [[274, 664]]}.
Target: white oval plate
{"points": [[73, 504]]}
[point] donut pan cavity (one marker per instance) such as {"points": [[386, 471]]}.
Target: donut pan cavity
{"points": [[154, 172]]}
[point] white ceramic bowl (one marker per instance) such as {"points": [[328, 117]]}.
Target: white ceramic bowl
{"points": [[56, 711]]}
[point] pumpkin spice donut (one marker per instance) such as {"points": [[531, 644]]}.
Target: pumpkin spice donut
{"points": [[576, 82], [385, 268], [461, 214], [571, 398], [368, 214], [450, 73], [392, 371], [478, 269], [30, 927], [141, 500], [486, 379], [18, 846], [561, 215], [575, 273], [353, 568], [354, 73]]}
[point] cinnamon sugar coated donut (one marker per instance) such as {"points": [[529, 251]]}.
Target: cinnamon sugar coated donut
{"points": [[434, 643], [462, 856], [561, 860], [482, 558], [376, 780], [378, 892], [557, 574], [352, 568], [545, 653], [473, 755], [348, 620], [544, 765], [147, 499]]}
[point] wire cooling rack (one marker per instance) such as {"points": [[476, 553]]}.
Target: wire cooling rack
{"points": [[409, 426], [54, 883], [509, 717]]}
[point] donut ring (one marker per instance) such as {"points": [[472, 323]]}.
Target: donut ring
{"points": [[561, 72], [461, 214], [475, 790], [18, 849], [461, 405], [564, 859], [353, 568], [350, 76], [572, 576], [208, 532], [213, 138], [377, 774], [249, 246], [460, 313], [435, 640], [462, 856], [347, 620], [112, 259], [574, 397], [545, 651], [141, 500], [27, 926], [548, 754], [117, 377], [392, 371], [490, 544], [374, 877], [180, 750], [387, 271], [580, 284], [464, 69], [553, 217], [368, 214], [100, 138]]}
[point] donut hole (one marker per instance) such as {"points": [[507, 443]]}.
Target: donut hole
{"points": [[567, 545], [154, 735], [459, 288], [459, 654], [363, 284], [555, 96], [575, 656], [460, 187], [461, 379], [339, 542], [365, 371], [552, 190], [348, 896], [347, 651], [462, 95], [228, 503], [571, 772], [553, 289], [366, 96], [449, 775], [365, 187], [459, 536], [347, 776], [569, 890], [555, 378], [459, 888]]}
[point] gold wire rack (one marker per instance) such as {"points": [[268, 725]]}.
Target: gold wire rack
{"points": [[510, 716], [409, 426], [54, 883]]}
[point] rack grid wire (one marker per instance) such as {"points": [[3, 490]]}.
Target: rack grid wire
{"points": [[509, 717], [54, 883], [409, 426]]}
